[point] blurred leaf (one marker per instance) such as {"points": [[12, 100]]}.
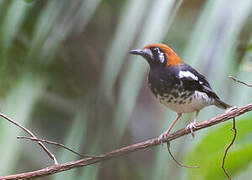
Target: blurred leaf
{"points": [[52, 28], [249, 47], [244, 74], [89, 172], [18, 105], [74, 140], [209, 152], [217, 39], [12, 22], [29, 1], [84, 14], [44, 25], [133, 12]]}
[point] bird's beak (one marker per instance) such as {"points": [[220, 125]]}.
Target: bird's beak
{"points": [[137, 52]]}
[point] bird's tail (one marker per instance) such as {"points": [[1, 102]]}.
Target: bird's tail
{"points": [[221, 104]]}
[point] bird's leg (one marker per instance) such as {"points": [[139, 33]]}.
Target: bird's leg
{"points": [[192, 125], [165, 134]]}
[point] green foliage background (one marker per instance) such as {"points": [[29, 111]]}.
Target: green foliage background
{"points": [[65, 73]]}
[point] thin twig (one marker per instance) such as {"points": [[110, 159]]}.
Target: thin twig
{"points": [[56, 144], [235, 133], [30, 133], [129, 149], [226, 150], [237, 80], [176, 161]]}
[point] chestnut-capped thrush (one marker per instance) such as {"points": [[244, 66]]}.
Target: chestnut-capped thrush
{"points": [[176, 84]]}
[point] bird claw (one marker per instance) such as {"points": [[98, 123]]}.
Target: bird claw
{"points": [[162, 137], [190, 127], [231, 109]]}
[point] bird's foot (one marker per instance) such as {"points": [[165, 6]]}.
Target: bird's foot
{"points": [[190, 128], [162, 137], [231, 109]]}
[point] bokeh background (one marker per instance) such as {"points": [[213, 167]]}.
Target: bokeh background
{"points": [[66, 74]]}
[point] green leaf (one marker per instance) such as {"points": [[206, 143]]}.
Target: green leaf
{"points": [[209, 152], [13, 20], [28, 1], [249, 47]]}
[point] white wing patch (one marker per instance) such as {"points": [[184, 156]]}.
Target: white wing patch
{"points": [[188, 74]]}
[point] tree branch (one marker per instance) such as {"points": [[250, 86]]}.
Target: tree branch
{"points": [[32, 135], [54, 143], [239, 81], [226, 150], [128, 149], [176, 161]]}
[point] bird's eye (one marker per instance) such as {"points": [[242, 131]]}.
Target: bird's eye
{"points": [[156, 50], [159, 55]]}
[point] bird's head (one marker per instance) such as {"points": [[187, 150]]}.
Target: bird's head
{"points": [[158, 55]]}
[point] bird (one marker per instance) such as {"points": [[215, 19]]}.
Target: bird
{"points": [[176, 84]]}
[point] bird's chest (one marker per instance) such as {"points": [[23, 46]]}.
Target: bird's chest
{"points": [[172, 93], [168, 89]]}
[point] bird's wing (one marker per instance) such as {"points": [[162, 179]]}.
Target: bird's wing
{"points": [[195, 81]]}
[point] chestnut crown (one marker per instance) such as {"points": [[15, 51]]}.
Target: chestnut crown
{"points": [[158, 55]]}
